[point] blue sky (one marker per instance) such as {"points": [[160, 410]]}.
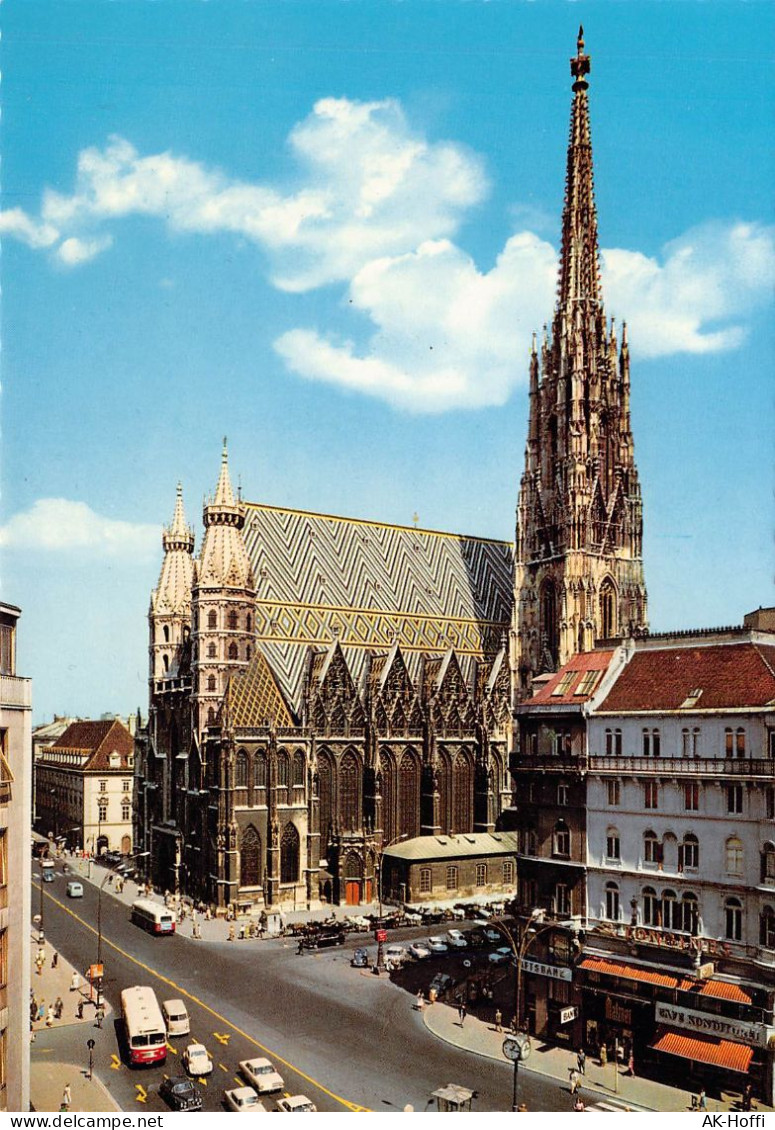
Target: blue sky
{"points": [[327, 230]]}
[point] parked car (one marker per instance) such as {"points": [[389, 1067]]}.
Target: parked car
{"points": [[180, 1093], [440, 986], [322, 939], [244, 1100], [360, 958], [501, 955], [456, 939], [437, 944], [262, 1075], [176, 1018], [295, 1104], [419, 950], [492, 935], [74, 890], [395, 954], [196, 1060]]}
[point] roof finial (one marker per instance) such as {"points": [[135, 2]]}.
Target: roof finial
{"points": [[580, 65]]}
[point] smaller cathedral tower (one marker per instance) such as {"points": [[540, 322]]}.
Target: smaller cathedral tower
{"points": [[578, 554], [169, 615], [223, 601]]}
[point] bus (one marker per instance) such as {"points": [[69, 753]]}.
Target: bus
{"points": [[146, 1036], [153, 916]]}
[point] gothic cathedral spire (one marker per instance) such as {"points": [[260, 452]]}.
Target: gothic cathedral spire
{"points": [[578, 555], [170, 611]]}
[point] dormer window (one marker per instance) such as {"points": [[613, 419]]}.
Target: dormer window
{"points": [[114, 760], [691, 699]]}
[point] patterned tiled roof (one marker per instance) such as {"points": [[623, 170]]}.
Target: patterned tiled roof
{"points": [[369, 585], [254, 699], [729, 676], [571, 679], [97, 740]]}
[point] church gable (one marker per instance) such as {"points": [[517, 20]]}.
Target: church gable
{"points": [[253, 698]]}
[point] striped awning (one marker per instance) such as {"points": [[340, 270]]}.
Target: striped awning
{"points": [[630, 972], [704, 1049]]}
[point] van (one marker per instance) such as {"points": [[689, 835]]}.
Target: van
{"points": [[176, 1018], [75, 890], [47, 865]]}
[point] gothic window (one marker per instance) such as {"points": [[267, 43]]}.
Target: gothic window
{"points": [[166, 634], [211, 652], [298, 769], [325, 797], [232, 620], [241, 770], [211, 682], [247, 622], [247, 652], [608, 626], [289, 855], [612, 902], [463, 794], [211, 717], [733, 919], [250, 858], [444, 779], [259, 769], [349, 786], [233, 653], [212, 619], [409, 795], [282, 769], [166, 662]]}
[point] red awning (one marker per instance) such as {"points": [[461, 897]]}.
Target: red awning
{"points": [[704, 1049], [631, 972]]}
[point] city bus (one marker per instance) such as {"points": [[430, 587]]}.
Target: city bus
{"points": [[153, 916], [146, 1036]]}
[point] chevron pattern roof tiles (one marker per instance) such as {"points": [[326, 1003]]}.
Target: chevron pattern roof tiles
{"points": [[321, 578]]}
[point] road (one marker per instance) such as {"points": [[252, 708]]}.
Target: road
{"points": [[347, 1039]]}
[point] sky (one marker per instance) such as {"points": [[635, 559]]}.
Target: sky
{"points": [[327, 231]]}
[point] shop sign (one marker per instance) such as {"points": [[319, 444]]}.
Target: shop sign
{"points": [[703, 1022], [617, 1012], [568, 1014], [543, 969], [646, 935]]}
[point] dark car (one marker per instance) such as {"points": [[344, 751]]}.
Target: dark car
{"points": [[180, 1093], [440, 986], [324, 938], [110, 858], [360, 959]]}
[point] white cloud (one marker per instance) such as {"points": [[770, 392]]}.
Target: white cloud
{"points": [[61, 525], [73, 251], [16, 222]]}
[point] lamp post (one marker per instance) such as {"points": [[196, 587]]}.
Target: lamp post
{"points": [[380, 932]]}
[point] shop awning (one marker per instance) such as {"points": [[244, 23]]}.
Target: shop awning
{"points": [[704, 1049], [630, 972]]}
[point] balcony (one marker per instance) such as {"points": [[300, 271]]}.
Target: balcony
{"points": [[548, 763], [15, 692], [693, 767]]}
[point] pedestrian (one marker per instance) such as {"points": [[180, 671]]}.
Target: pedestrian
{"points": [[603, 1055], [747, 1096], [242, 931], [66, 1098], [75, 982], [461, 1012], [54, 960], [701, 1101], [581, 1060], [631, 1064], [49, 1016], [99, 1016], [420, 1001], [300, 947], [498, 1020], [41, 1010], [79, 1011], [575, 1080], [197, 932], [579, 1104], [58, 1008], [232, 932]]}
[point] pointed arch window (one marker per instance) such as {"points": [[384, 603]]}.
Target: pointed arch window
{"points": [[211, 682], [212, 618], [283, 774], [349, 791], [259, 769], [463, 794], [299, 765], [325, 797], [608, 619], [211, 651], [166, 633], [232, 620], [250, 858], [289, 855], [233, 653], [241, 770], [409, 795]]}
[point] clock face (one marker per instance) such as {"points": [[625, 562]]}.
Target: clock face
{"points": [[516, 1047]]}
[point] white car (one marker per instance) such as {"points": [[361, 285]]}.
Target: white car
{"points": [[456, 940], [196, 1060], [437, 945], [358, 922], [295, 1104], [262, 1075], [244, 1100], [419, 950], [395, 954], [499, 956], [176, 1018]]}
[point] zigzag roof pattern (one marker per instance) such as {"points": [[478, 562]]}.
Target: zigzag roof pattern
{"points": [[320, 577]]}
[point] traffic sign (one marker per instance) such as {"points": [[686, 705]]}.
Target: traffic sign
{"points": [[380, 935]]}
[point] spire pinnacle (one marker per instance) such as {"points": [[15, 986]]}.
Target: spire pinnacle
{"points": [[178, 535], [224, 495], [579, 67]]}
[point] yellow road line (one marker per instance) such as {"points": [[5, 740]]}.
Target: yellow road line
{"points": [[222, 1019]]}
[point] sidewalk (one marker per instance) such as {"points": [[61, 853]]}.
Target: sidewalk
{"points": [[49, 1076], [598, 1084]]}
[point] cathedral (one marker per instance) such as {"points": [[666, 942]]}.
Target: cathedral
{"points": [[324, 687]]}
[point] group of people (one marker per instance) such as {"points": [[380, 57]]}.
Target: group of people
{"points": [[39, 1012]]}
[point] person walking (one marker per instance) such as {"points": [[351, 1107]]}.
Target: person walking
{"points": [[41, 1010], [631, 1064], [99, 1016], [603, 1055], [66, 1098], [54, 960], [701, 1100], [498, 1020], [58, 1008], [581, 1061], [232, 932], [579, 1104], [461, 1012], [75, 982], [575, 1080], [49, 1016]]}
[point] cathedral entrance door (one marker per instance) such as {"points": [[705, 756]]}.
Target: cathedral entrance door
{"points": [[353, 892]]}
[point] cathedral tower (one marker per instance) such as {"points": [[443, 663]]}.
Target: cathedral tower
{"points": [[223, 601], [578, 554], [170, 611]]}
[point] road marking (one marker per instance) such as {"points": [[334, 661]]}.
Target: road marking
{"points": [[216, 1015], [142, 1094], [221, 1037], [171, 1049], [115, 1062], [222, 1067]]}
